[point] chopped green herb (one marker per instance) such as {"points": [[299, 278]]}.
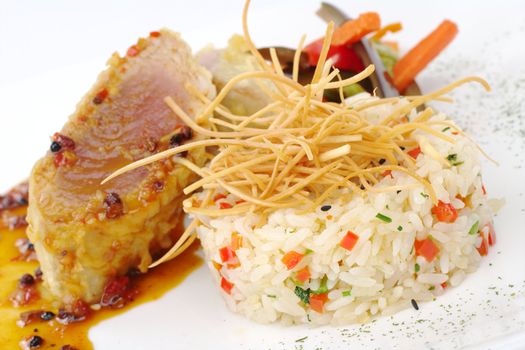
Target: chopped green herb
{"points": [[445, 129], [474, 229], [424, 195], [347, 293], [322, 287], [301, 340], [453, 159], [303, 294], [308, 317], [432, 288], [416, 267], [308, 251], [271, 296], [383, 218], [400, 228]]}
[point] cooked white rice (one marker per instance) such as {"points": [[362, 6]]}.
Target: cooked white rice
{"points": [[377, 276]]}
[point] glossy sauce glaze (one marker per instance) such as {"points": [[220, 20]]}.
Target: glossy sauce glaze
{"points": [[148, 287]]}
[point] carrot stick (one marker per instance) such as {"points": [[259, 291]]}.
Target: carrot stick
{"points": [[353, 30], [406, 69]]}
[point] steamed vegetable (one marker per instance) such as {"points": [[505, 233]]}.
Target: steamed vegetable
{"points": [[422, 54], [354, 30]]}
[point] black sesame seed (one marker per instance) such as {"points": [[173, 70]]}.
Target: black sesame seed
{"points": [[402, 148], [35, 342], [326, 207], [382, 161], [362, 187], [27, 280], [55, 147], [47, 315], [414, 304], [398, 191]]}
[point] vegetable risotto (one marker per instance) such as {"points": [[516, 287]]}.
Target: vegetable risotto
{"points": [[357, 256]]}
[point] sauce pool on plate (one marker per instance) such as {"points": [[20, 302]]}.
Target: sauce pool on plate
{"points": [[51, 334]]}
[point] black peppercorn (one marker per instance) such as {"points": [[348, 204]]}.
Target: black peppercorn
{"points": [[176, 140], [55, 147], [35, 342], [27, 280], [47, 315], [382, 161]]}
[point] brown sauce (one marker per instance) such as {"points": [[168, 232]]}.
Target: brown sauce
{"points": [[150, 286]]}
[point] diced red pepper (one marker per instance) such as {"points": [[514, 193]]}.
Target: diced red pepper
{"points": [[344, 57], [426, 248], [224, 205], [100, 96], [349, 240], [226, 285], [414, 153], [240, 201], [445, 212], [154, 34], [483, 189], [317, 302], [65, 158], [114, 291], [291, 259], [444, 285], [219, 197], [227, 254], [491, 235], [303, 275], [484, 247], [66, 143]]}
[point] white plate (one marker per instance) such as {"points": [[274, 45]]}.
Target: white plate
{"points": [[46, 71]]}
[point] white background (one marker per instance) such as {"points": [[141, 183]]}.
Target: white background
{"points": [[51, 52]]}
